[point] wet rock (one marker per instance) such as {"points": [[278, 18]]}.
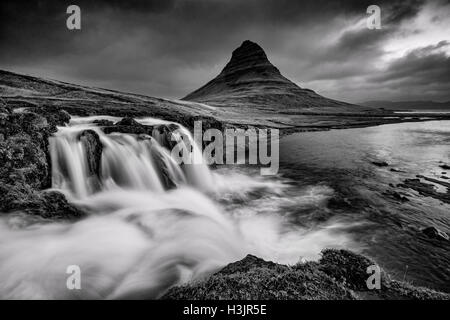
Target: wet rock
{"points": [[396, 196], [163, 134], [46, 204], [128, 125], [380, 163], [442, 183], [103, 123], [435, 233], [127, 121], [93, 146], [426, 189]]}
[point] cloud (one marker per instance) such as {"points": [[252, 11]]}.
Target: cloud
{"points": [[169, 48]]}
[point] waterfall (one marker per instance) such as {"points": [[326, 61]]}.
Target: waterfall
{"points": [[152, 223], [138, 162]]}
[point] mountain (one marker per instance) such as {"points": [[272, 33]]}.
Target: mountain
{"points": [[250, 79], [408, 105]]}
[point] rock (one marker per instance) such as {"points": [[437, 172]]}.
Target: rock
{"points": [[163, 134], [380, 163], [435, 233], [444, 177], [340, 274], [246, 264], [56, 117], [46, 204], [128, 125], [24, 160], [103, 123], [25, 166], [445, 166], [426, 189], [346, 267], [4, 107], [127, 121], [93, 146], [396, 170], [395, 195]]}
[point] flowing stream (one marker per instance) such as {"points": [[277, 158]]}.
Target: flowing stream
{"points": [[153, 223]]}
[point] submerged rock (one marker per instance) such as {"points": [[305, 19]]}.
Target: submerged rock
{"points": [[396, 195], [427, 189], [435, 233], [380, 163]]}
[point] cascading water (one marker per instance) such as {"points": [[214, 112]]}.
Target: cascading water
{"points": [[128, 161], [152, 223]]}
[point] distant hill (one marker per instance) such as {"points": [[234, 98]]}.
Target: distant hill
{"points": [[250, 80], [409, 105]]}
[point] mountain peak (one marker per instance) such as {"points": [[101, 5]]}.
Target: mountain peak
{"points": [[249, 80], [249, 56]]}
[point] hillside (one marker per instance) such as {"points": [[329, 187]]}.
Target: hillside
{"points": [[250, 80]]}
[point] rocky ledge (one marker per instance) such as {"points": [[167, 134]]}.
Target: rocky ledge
{"points": [[338, 275], [25, 170]]}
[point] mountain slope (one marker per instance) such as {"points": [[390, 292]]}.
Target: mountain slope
{"points": [[259, 96], [249, 79], [20, 91]]}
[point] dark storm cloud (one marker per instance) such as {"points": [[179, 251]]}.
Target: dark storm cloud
{"points": [[424, 71], [168, 48]]}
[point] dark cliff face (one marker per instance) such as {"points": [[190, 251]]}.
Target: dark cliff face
{"points": [[249, 78]]}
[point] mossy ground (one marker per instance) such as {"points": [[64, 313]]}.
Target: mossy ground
{"points": [[338, 275]]}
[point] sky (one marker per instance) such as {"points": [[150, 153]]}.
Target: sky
{"points": [[169, 48]]}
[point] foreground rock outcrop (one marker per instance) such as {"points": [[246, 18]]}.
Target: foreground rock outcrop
{"points": [[25, 164], [338, 275]]}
